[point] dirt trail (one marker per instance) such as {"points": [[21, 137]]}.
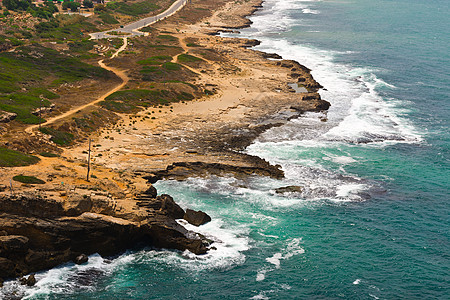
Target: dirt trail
{"points": [[121, 74]]}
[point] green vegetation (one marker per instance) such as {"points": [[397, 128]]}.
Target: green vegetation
{"points": [[167, 37], [12, 158], [171, 66], [131, 100], [29, 67], [45, 12], [147, 29], [107, 18], [155, 60], [192, 45], [70, 27], [48, 154], [73, 6], [58, 137], [28, 179], [186, 58], [135, 9]]}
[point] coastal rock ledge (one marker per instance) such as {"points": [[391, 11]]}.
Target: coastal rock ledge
{"points": [[39, 232]]}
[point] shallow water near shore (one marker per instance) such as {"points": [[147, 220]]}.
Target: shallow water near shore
{"points": [[372, 220]]}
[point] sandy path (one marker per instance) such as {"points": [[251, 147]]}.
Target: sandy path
{"points": [[119, 73]]}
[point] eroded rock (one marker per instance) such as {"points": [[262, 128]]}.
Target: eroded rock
{"points": [[196, 218]]}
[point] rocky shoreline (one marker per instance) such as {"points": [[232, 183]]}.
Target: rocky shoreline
{"points": [[42, 228]]}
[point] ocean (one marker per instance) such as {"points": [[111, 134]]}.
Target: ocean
{"points": [[373, 218]]}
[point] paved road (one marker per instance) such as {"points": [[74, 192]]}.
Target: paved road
{"points": [[132, 29]]}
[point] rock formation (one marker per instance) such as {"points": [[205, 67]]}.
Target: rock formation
{"points": [[38, 232]]}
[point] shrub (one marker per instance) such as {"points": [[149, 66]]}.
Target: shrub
{"points": [[188, 58], [58, 137], [28, 179], [171, 66]]}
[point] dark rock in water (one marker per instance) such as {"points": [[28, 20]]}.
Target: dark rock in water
{"points": [[81, 259], [87, 278], [289, 189], [40, 233], [151, 192], [30, 281], [172, 209], [196, 218]]}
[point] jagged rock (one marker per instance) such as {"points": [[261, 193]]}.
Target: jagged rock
{"points": [[289, 189], [183, 170], [16, 243], [170, 207], [196, 218], [6, 117], [81, 259], [75, 205], [40, 110], [271, 55], [42, 233], [6, 268], [30, 281], [151, 192]]}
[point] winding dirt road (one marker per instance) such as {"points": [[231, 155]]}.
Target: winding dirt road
{"points": [[121, 74]]}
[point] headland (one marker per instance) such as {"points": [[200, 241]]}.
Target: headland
{"points": [[177, 102]]}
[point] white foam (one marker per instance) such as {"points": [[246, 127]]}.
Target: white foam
{"points": [[291, 249], [261, 275], [310, 11], [260, 296], [275, 259], [349, 191]]}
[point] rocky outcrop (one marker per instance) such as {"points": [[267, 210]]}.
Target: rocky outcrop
{"points": [[6, 117], [39, 233], [196, 218], [289, 189], [183, 170], [301, 73]]}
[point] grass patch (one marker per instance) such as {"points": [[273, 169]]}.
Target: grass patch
{"points": [[58, 137], [29, 67], [135, 9], [28, 179], [185, 58], [167, 37], [155, 60], [107, 18], [132, 100], [192, 45], [171, 66], [48, 154], [12, 158], [70, 27]]}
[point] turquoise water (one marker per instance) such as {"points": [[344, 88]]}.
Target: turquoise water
{"points": [[373, 219]]}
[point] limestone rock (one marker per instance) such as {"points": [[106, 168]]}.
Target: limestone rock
{"points": [[196, 218], [289, 189], [10, 243]]}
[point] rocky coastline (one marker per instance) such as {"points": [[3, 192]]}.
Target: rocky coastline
{"points": [[43, 227]]}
